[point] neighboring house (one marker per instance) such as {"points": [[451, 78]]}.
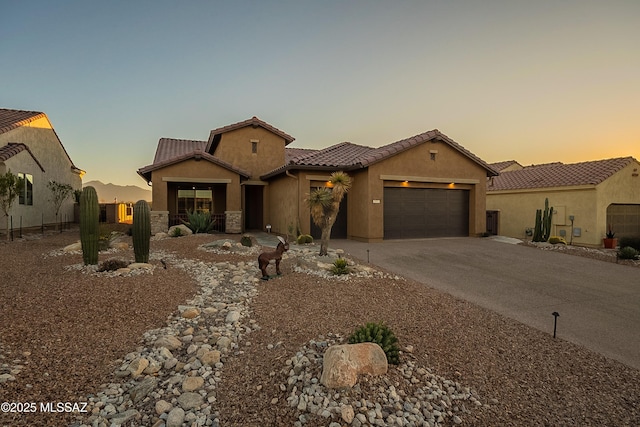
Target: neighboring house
{"points": [[30, 148], [247, 176], [596, 194]]}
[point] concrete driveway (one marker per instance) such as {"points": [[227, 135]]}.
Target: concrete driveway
{"points": [[598, 302]]}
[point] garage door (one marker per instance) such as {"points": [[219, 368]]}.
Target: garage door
{"points": [[624, 219], [411, 213]]}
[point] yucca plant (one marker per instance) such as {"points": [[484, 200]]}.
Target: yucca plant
{"points": [[324, 204], [380, 334], [199, 222], [340, 267]]}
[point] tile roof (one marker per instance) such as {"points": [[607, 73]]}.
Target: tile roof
{"points": [[169, 148], [13, 148], [500, 166], [558, 175], [255, 122], [542, 165], [11, 119], [171, 151], [348, 156], [291, 154], [342, 155]]}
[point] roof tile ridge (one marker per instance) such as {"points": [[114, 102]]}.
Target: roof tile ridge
{"points": [[16, 124]]}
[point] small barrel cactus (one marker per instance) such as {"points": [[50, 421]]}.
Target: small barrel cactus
{"points": [[141, 231], [89, 225], [380, 334]]}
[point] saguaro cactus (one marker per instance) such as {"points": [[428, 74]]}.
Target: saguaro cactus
{"points": [[542, 230], [89, 225], [546, 221], [141, 230], [537, 231]]}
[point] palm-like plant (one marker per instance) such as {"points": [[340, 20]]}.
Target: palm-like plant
{"points": [[325, 204]]}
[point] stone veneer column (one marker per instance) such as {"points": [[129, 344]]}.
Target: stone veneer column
{"points": [[233, 222], [159, 222]]}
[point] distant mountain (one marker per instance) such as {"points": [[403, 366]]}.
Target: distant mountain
{"points": [[107, 193]]}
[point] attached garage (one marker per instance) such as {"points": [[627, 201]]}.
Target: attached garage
{"points": [[411, 213], [624, 219]]}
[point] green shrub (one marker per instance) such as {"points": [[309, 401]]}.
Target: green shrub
{"points": [[340, 267], [628, 252], [176, 232], [304, 238], [633, 242], [554, 240], [246, 241], [113, 265], [199, 222], [380, 334]]}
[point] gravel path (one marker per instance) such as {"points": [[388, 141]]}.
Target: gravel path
{"points": [[67, 335]]}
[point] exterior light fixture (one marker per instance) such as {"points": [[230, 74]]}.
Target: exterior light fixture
{"points": [[268, 228]]}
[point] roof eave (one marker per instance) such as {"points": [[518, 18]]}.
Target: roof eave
{"points": [[291, 167]]}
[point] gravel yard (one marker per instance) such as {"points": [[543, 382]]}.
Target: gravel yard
{"points": [[65, 335]]}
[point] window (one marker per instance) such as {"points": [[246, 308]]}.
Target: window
{"points": [[254, 146], [26, 192], [195, 200]]}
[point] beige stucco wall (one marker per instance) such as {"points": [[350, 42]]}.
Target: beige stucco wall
{"points": [[198, 171], [235, 147], [45, 146], [588, 205], [518, 212], [621, 188], [283, 209], [288, 194]]}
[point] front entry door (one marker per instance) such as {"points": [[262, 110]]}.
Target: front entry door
{"points": [[253, 207]]}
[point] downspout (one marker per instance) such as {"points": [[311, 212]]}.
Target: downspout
{"points": [[297, 200]]}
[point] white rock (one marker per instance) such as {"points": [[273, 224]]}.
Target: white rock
{"points": [[163, 406], [175, 418], [232, 317]]}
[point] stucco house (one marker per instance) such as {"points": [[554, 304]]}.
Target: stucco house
{"points": [[587, 198], [30, 148], [248, 176]]}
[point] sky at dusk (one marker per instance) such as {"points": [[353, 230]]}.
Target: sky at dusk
{"points": [[532, 81]]}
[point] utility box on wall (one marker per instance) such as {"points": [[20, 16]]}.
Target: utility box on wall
{"points": [[559, 215]]}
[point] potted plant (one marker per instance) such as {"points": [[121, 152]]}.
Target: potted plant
{"points": [[610, 242]]}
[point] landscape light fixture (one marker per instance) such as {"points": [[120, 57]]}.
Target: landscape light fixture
{"points": [[555, 322]]}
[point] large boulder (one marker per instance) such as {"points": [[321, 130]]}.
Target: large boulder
{"points": [[343, 363], [184, 230]]}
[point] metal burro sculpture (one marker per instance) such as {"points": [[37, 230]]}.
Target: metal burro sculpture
{"points": [[266, 257]]}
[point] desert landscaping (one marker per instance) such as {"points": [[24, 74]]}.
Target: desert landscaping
{"points": [[196, 338]]}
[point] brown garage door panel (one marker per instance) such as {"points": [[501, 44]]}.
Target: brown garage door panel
{"points": [[425, 212], [624, 219]]}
